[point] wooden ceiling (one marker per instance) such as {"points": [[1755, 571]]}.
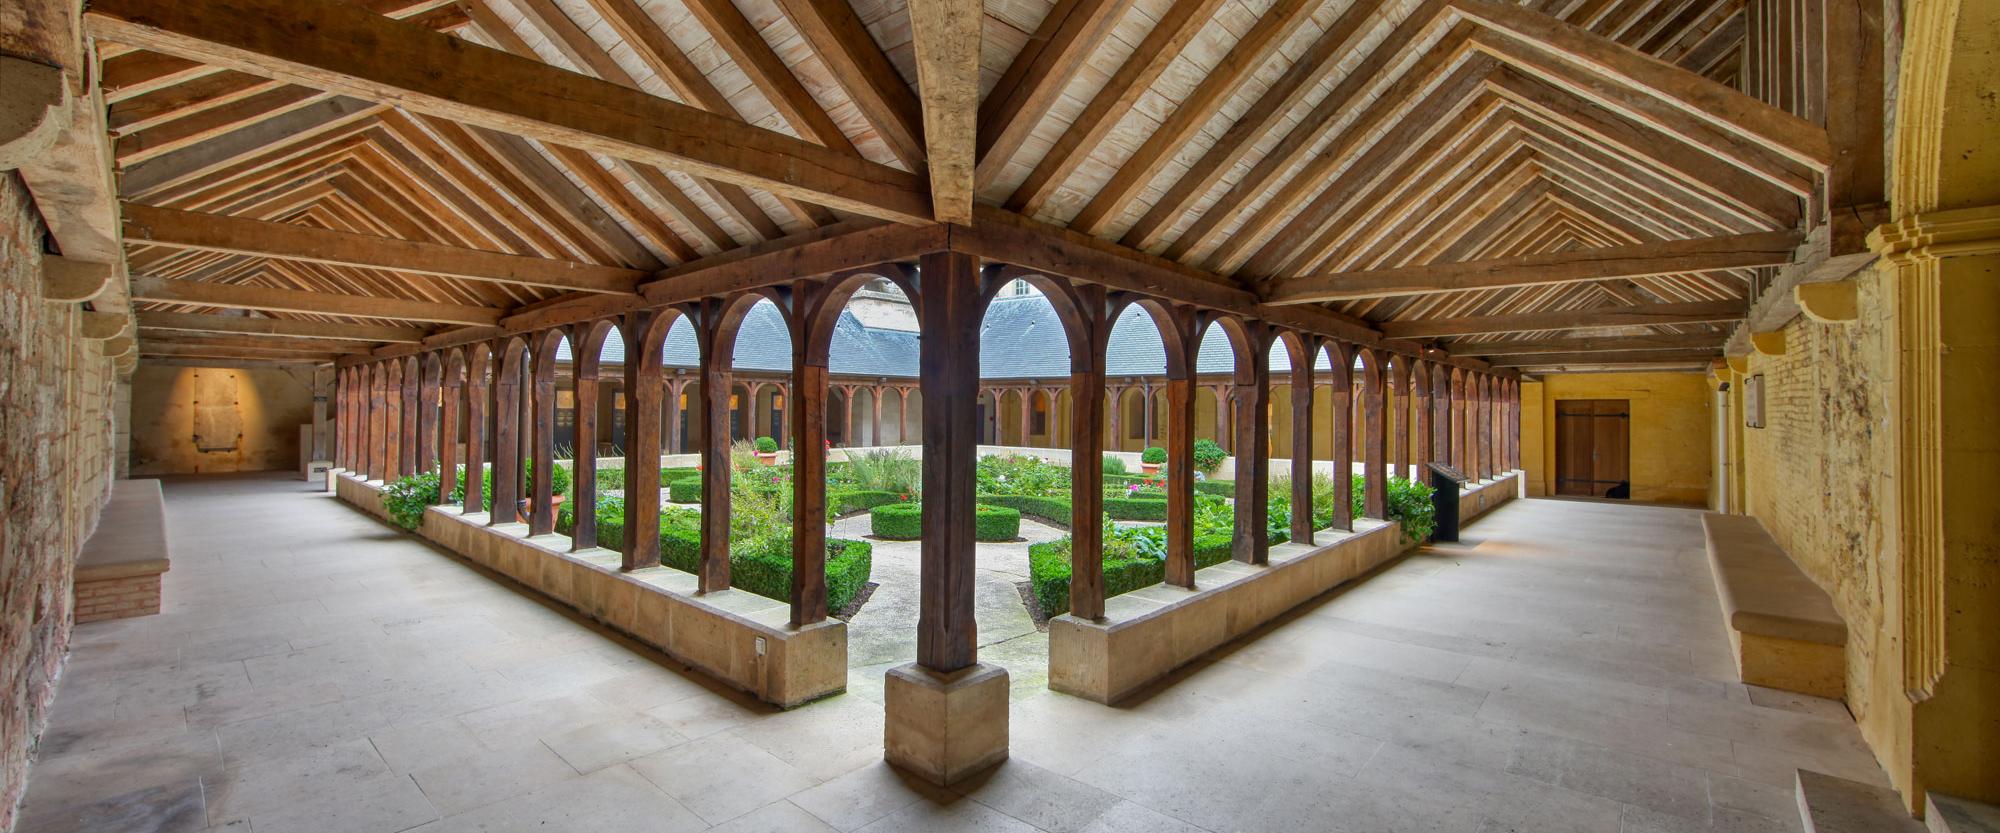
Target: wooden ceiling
{"points": [[1562, 183]]}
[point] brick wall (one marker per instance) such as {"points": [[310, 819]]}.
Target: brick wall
{"points": [[56, 457], [1819, 477], [117, 598]]}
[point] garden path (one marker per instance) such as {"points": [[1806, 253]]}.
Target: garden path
{"points": [[884, 633]]}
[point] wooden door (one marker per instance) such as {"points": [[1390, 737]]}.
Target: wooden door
{"points": [[1593, 447]]}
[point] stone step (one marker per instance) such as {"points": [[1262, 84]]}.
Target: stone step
{"points": [[1945, 814], [1836, 805]]}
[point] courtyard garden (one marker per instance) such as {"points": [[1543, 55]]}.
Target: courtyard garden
{"points": [[887, 484]]}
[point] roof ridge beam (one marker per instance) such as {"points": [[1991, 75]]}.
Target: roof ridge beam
{"points": [[270, 299]]}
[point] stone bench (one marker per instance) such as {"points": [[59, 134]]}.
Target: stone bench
{"points": [[1783, 628], [118, 571]]}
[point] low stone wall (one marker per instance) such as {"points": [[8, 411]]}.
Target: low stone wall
{"points": [[1148, 633], [743, 639]]}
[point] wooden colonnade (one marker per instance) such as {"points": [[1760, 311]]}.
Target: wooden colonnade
{"points": [[397, 415]]}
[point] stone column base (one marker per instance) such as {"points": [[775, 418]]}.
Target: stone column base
{"points": [[946, 726]]}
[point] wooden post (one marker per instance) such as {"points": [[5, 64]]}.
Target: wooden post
{"points": [[427, 412], [644, 387], [1302, 440], [670, 414], [808, 417], [1374, 443], [716, 384], [1420, 419], [507, 435], [1341, 375], [1180, 454], [392, 421], [1399, 410], [1086, 493], [542, 446], [949, 314], [1027, 412], [583, 473], [1117, 404], [1225, 434], [1253, 465], [412, 404], [1441, 414], [1460, 459], [343, 445], [476, 394], [875, 419], [451, 387]]}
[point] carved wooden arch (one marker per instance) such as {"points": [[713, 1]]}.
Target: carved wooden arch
{"points": [[1174, 323], [451, 384], [514, 357], [1071, 306], [1374, 445], [820, 312], [1248, 344], [587, 349], [645, 370]]}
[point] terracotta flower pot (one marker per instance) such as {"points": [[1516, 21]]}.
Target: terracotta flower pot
{"points": [[768, 458], [1149, 468]]}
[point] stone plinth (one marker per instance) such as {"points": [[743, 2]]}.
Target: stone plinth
{"points": [[946, 726]]}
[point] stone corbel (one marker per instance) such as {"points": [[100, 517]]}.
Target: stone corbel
{"points": [[1939, 234], [1828, 303], [1768, 344], [70, 280], [1739, 365], [101, 326], [34, 110], [120, 346]]}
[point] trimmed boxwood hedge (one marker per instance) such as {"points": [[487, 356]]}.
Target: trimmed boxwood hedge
{"points": [[905, 522], [685, 489], [849, 501], [1049, 510], [848, 562], [995, 523], [1135, 508], [1219, 488], [897, 521], [1048, 570]]}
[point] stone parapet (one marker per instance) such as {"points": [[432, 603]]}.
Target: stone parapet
{"points": [[742, 639], [1147, 633]]}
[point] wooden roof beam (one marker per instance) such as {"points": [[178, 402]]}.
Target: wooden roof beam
{"points": [[278, 328], [1067, 35], [1586, 344], [314, 43], [153, 225], [1632, 357], [945, 35], [269, 299], [1726, 108], [838, 38], [1701, 312]]}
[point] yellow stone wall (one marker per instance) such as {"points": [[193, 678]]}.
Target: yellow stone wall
{"points": [[1818, 476], [1671, 424], [273, 404]]}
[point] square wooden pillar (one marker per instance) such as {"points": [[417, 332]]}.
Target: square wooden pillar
{"points": [[946, 714]]}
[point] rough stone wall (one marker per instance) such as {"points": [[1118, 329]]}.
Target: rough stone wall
{"points": [[1819, 477], [56, 458], [271, 404]]}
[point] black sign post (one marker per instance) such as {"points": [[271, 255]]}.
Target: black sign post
{"points": [[1445, 481]]}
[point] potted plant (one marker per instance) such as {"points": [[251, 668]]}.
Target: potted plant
{"points": [[559, 483], [767, 450], [1151, 458]]}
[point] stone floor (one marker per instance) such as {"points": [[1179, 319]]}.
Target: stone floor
{"points": [[1563, 669]]}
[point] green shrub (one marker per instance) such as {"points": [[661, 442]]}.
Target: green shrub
{"points": [[882, 470], [1113, 465], [673, 473], [1136, 509], [685, 490], [848, 501], [406, 499], [1218, 488], [1208, 456], [1409, 504], [1153, 455], [1129, 564], [1050, 510], [767, 445], [898, 521], [995, 523], [559, 483]]}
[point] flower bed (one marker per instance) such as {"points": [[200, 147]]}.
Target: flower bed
{"points": [[765, 570]]}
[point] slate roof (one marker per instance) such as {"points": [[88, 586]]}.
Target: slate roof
{"points": [[1020, 339]]}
